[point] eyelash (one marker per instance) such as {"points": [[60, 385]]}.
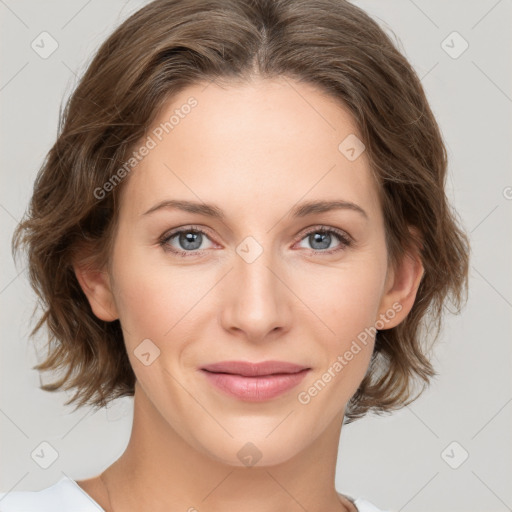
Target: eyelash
{"points": [[345, 240]]}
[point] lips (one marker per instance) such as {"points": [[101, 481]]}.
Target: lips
{"points": [[247, 369], [254, 382]]}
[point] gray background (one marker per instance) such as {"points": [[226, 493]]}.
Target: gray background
{"points": [[395, 461]]}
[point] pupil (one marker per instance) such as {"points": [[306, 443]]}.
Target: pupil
{"points": [[323, 239], [191, 238]]}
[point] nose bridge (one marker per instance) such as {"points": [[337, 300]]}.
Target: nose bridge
{"points": [[256, 303]]}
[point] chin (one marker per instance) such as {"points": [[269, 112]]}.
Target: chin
{"points": [[256, 450]]}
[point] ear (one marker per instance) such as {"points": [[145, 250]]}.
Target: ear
{"points": [[402, 286], [96, 285]]}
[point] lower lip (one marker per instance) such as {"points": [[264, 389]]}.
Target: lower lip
{"points": [[255, 389]]}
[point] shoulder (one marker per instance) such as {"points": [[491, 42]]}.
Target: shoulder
{"points": [[62, 495], [366, 506], [361, 504]]}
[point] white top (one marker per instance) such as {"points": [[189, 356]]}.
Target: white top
{"points": [[67, 495]]}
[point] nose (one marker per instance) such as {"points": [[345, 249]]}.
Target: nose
{"points": [[257, 303]]}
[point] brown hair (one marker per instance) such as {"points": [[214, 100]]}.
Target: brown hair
{"points": [[170, 44]]}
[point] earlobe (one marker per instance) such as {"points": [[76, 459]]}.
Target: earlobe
{"points": [[402, 287], [97, 288]]}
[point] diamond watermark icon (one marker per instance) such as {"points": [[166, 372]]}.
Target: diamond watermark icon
{"points": [[249, 249], [146, 352], [44, 45], [454, 45], [351, 147], [454, 455], [249, 454], [44, 455]]}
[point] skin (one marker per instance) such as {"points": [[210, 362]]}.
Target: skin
{"points": [[255, 151]]}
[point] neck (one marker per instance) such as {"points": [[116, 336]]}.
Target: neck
{"points": [[159, 471]]}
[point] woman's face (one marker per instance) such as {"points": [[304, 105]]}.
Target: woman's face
{"points": [[262, 283]]}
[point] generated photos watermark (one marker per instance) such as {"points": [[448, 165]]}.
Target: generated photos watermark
{"points": [[151, 142], [342, 360]]}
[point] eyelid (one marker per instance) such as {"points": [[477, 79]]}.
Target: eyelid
{"points": [[186, 228], [303, 233], [346, 240], [325, 228]]}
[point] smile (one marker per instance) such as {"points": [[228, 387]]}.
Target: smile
{"points": [[255, 388]]}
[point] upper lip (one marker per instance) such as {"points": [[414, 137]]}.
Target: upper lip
{"points": [[248, 369]]}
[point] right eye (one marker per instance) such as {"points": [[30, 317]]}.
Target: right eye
{"points": [[189, 239]]}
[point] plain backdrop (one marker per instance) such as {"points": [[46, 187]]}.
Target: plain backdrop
{"points": [[448, 451]]}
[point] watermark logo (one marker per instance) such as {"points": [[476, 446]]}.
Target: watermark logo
{"points": [[249, 249], [151, 142], [44, 45], [146, 352], [44, 455], [454, 455], [351, 147], [454, 45], [249, 454], [342, 360]]}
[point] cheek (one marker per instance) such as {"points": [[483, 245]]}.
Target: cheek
{"points": [[159, 303], [141, 303], [349, 309], [150, 294], [344, 301]]}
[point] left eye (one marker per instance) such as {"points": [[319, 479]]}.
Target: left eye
{"points": [[190, 240], [323, 237]]}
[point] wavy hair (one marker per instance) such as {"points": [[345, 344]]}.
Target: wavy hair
{"points": [[168, 45]]}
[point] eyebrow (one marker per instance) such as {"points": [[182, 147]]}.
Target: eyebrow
{"points": [[301, 210]]}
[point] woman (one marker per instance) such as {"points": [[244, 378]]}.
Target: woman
{"points": [[243, 224]]}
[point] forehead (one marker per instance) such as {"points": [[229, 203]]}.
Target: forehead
{"points": [[267, 143]]}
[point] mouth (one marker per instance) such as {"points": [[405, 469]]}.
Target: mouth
{"points": [[254, 382], [248, 369]]}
